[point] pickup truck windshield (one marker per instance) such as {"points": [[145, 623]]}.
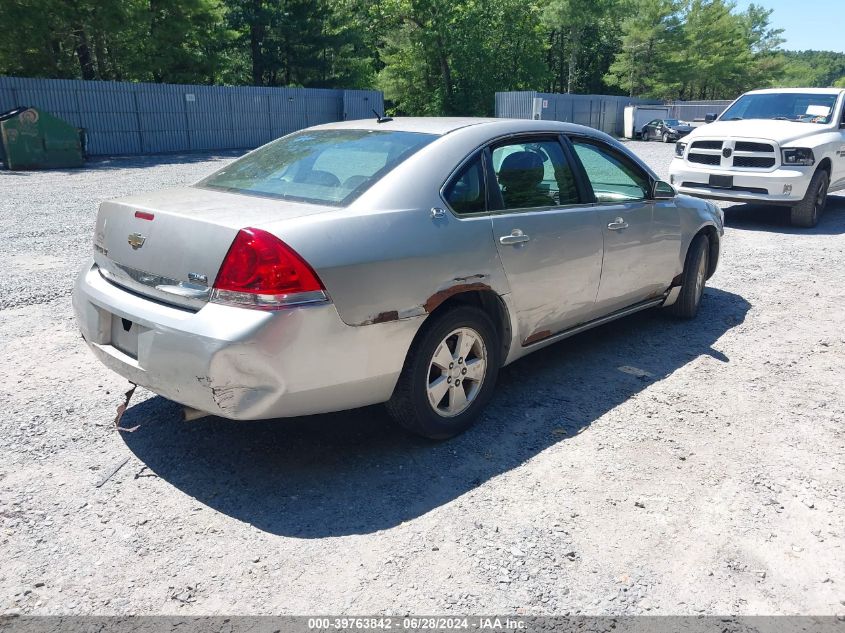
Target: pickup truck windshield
{"points": [[785, 106], [318, 166]]}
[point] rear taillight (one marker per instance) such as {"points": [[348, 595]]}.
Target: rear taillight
{"points": [[261, 271]]}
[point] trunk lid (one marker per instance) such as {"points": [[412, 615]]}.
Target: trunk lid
{"points": [[175, 256]]}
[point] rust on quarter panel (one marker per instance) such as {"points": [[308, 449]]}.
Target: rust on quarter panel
{"points": [[440, 296]]}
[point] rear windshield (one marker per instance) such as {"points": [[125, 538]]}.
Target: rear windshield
{"points": [[784, 106], [320, 166]]}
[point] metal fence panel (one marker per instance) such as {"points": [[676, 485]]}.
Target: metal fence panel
{"points": [[602, 112], [359, 104], [142, 118], [515, 105], [697, 110]]}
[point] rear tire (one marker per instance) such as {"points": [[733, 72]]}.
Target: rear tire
{"points": [[806, 213], [693, 279], [442, 389]]}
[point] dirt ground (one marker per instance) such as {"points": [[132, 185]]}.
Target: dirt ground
{"points": [[712, 483]]}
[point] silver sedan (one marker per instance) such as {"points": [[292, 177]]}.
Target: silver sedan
{"points": [[387, 261]]}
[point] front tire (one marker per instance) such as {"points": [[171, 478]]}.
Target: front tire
{"points": [[693, 279], [449, 374], [665, 137], [806, 213]]}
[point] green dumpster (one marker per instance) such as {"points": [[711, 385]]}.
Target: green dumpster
{"points": [[33, 139]]}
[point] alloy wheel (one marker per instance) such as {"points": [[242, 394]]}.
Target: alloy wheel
{"points": [[456, 372]]}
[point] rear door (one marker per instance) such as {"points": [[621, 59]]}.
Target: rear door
{"points": [[641, 236], [549, 242]]}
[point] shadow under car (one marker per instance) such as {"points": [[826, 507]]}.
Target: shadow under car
{"points": [[354, 472]]}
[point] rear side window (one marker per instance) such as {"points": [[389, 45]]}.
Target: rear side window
{"points": [[320, 166], [613, 177], [534, 173], [465, 193]]}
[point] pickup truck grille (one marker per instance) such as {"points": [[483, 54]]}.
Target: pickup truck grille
{"points": [[745, 146], [754, 162], [729, 154], [706, 145], [704, 159]]}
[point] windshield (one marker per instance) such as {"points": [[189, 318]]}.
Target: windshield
{"points": [[320, 166], [786, 106], [671, 122]]}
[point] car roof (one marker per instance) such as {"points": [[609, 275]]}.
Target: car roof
{"points": [[820, 91], [445, 125]]}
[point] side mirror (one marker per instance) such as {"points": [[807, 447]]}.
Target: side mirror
{"points": [[662, 191], [710, 117]]}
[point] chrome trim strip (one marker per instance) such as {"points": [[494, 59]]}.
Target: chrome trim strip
{"points": [[651, 303], [158, 287]]}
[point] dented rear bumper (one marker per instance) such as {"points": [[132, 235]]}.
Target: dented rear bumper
{"points": [[240, 363]]}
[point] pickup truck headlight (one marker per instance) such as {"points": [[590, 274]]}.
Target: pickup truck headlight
{"points": [[798, 156], [679, 149]]}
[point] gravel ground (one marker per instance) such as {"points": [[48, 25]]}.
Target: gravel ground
{"points": [[712, 485]]}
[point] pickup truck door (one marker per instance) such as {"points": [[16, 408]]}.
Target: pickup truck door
{"points": [[642, 237], [549, 241], [837, 172]]}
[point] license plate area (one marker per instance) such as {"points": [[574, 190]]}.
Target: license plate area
{"points": [[124, 335], [718, 181]]}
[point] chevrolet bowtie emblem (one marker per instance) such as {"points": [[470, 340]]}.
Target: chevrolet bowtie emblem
{"points": [[136, 241]]}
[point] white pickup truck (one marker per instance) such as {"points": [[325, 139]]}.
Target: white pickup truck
{"points": [[781, 146]]}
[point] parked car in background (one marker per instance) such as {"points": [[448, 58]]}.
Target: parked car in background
{"points": [[778, 146], [666, 130], [398, 261]]}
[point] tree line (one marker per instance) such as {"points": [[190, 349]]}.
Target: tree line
{"points": [[430, 57]]}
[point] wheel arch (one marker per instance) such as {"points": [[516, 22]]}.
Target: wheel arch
{"points": [[484, 299], [825, 164], [708, 230], [714, 248]]}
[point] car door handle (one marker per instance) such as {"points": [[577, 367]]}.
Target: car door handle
{"points": [[516, 237], [618, 224]]}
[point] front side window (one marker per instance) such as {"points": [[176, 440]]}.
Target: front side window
{"points": [[319, 166], [612, 176], [785, 106], [534, 174], [465, 193]]}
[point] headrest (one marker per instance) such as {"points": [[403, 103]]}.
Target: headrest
{"points": [[521, 170]]}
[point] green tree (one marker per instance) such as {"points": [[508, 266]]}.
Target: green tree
{"points": [[186, 41], [447, 57], [812, 68], [576, 28], [300, 42], [646, 63]]}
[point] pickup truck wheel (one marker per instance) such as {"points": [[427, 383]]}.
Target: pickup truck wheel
{"points": [[449, 375], [693, 279], [807, 212]]}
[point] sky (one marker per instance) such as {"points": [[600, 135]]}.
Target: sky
{"points": [[816, 24]]}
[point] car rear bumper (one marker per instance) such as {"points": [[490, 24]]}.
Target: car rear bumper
{"points": [[785, 186], [239, 363]]}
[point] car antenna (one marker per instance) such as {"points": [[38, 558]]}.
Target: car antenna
{"points": [[380, 118]]}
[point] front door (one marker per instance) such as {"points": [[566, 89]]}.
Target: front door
{"points": [[641, 236], [550, 244]]}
